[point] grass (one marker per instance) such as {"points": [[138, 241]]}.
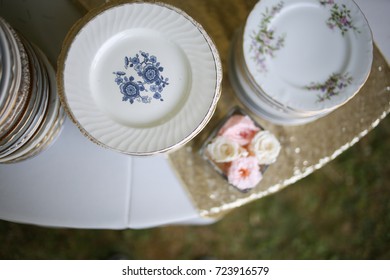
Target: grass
{"points": [[339, 212]]}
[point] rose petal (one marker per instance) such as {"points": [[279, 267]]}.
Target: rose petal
{"points": [[240, 129], [265, 147], [244, 173], [225, 150]]}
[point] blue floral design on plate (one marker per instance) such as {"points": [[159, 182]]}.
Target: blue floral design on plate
{"points": [[150, 71]]}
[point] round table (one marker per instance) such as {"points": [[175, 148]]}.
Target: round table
{"points": [[78, 184]]}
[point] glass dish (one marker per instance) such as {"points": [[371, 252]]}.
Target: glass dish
{"points": [[240, 150]]}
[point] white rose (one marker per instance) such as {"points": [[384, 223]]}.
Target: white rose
{"points": [[265, 147], [224, 150]]}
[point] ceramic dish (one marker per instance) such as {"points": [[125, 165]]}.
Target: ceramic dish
{"points": [[253, 97], [1, 65], [6, 71], [15, 78], [50, 117], [18, 94], [139, 78], [33, 114], [309, 56]]}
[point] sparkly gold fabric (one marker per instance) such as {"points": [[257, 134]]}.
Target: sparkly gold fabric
{"points": [[304, 148]]}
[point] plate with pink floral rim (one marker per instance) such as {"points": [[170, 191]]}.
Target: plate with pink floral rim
{"points": [[308, 55], [139, 78]]}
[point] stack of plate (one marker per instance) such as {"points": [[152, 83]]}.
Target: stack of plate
{"points": [[139, 78], [298, 60], [30, 113]]}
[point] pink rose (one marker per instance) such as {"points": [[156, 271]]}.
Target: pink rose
{"points": [[240, 129], [244, 173]]}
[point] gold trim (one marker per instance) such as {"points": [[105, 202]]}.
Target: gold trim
{"points": [[78, 26]]}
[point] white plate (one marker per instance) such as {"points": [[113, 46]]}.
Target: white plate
{"points": [[309, 55], [52, 107], [6, 71], [139, 78], [32, 116], [19, 90]]}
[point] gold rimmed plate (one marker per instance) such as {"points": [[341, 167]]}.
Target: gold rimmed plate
{"points": [[139, 78]]}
